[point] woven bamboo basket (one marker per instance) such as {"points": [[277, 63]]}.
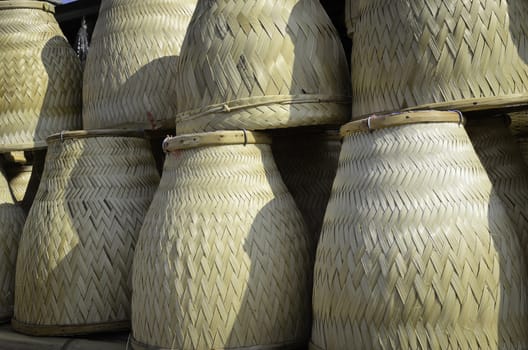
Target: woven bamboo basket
{"points": [[351, 14], [11, 223], [417, 250], [501, 156], [40, 89], [129, 78], [77, 246], [519, 128], [307, 162], [258, 65], [465, 55], [222, 260]]}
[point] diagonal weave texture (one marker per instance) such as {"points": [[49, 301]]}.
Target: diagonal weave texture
{"points": [[519, 128], [410, 53], [77, 247], [500, 154], [417, 251], [261, 64], [222, 259], [12, 220], [129, 79], [308, 165], [40, 77]]}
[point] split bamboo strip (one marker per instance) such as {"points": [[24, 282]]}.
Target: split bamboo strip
{"points": [[307, 162], [222, 260], [501, 156], [40, 76], [12, 220], [437, 54], [129, 79], [417, 251], [75, 256], [261, 65]]}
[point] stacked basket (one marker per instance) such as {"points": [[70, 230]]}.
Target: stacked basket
{"points": [[98, 183], [224, 258], [421, 241], [39, 94]]}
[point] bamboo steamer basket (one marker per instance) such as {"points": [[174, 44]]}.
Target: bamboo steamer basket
{"points": [[129, 79], [465, 55], [11, 223], [417, 250], [222, 260], [40, 93], [77, 246], [259, 65], [501, 156], [307, 161]]}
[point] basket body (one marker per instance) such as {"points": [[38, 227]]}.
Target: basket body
{"points": [[24, 179], [441, 54], [501, 157], [260, 65], [308, 164], [12, 220], [223, 258], [40, 93], [77, 248], [416, 250], [129, 78]]}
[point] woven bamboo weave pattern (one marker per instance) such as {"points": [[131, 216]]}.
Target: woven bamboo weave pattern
{"points": [[501, 156], [308, 165], [24, 179], [11, 223], [40, 77], [416, 250], [261, 64], [351, 12], [222, 259], [408, 53], [75, 255], [129, 80], [18, 181]]}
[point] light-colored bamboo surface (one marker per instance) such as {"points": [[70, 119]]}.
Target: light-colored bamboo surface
{"points": [[75, 256], [40, 76], [260, 65], [307, 162], [12, 220], [222, 260], [501, 156], [437, 54], [417, 250], [130, 73]]}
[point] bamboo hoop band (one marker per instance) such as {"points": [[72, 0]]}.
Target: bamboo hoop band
{"points": [[214, 138], [254, 102], [136, 345], [81, 134], [27, 4], [46, 330], [376, 122]]}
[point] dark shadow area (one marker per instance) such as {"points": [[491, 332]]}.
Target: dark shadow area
{"points": [[517, 16], [500, 155], [62, 105]]}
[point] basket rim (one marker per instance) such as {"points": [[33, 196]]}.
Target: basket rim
{"points": [[215, 138], [80, 134], [376, 122], [27, 4]]}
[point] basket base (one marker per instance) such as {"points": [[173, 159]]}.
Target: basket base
{"points": [[68, 330], [489, 105], [284, 346]]}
